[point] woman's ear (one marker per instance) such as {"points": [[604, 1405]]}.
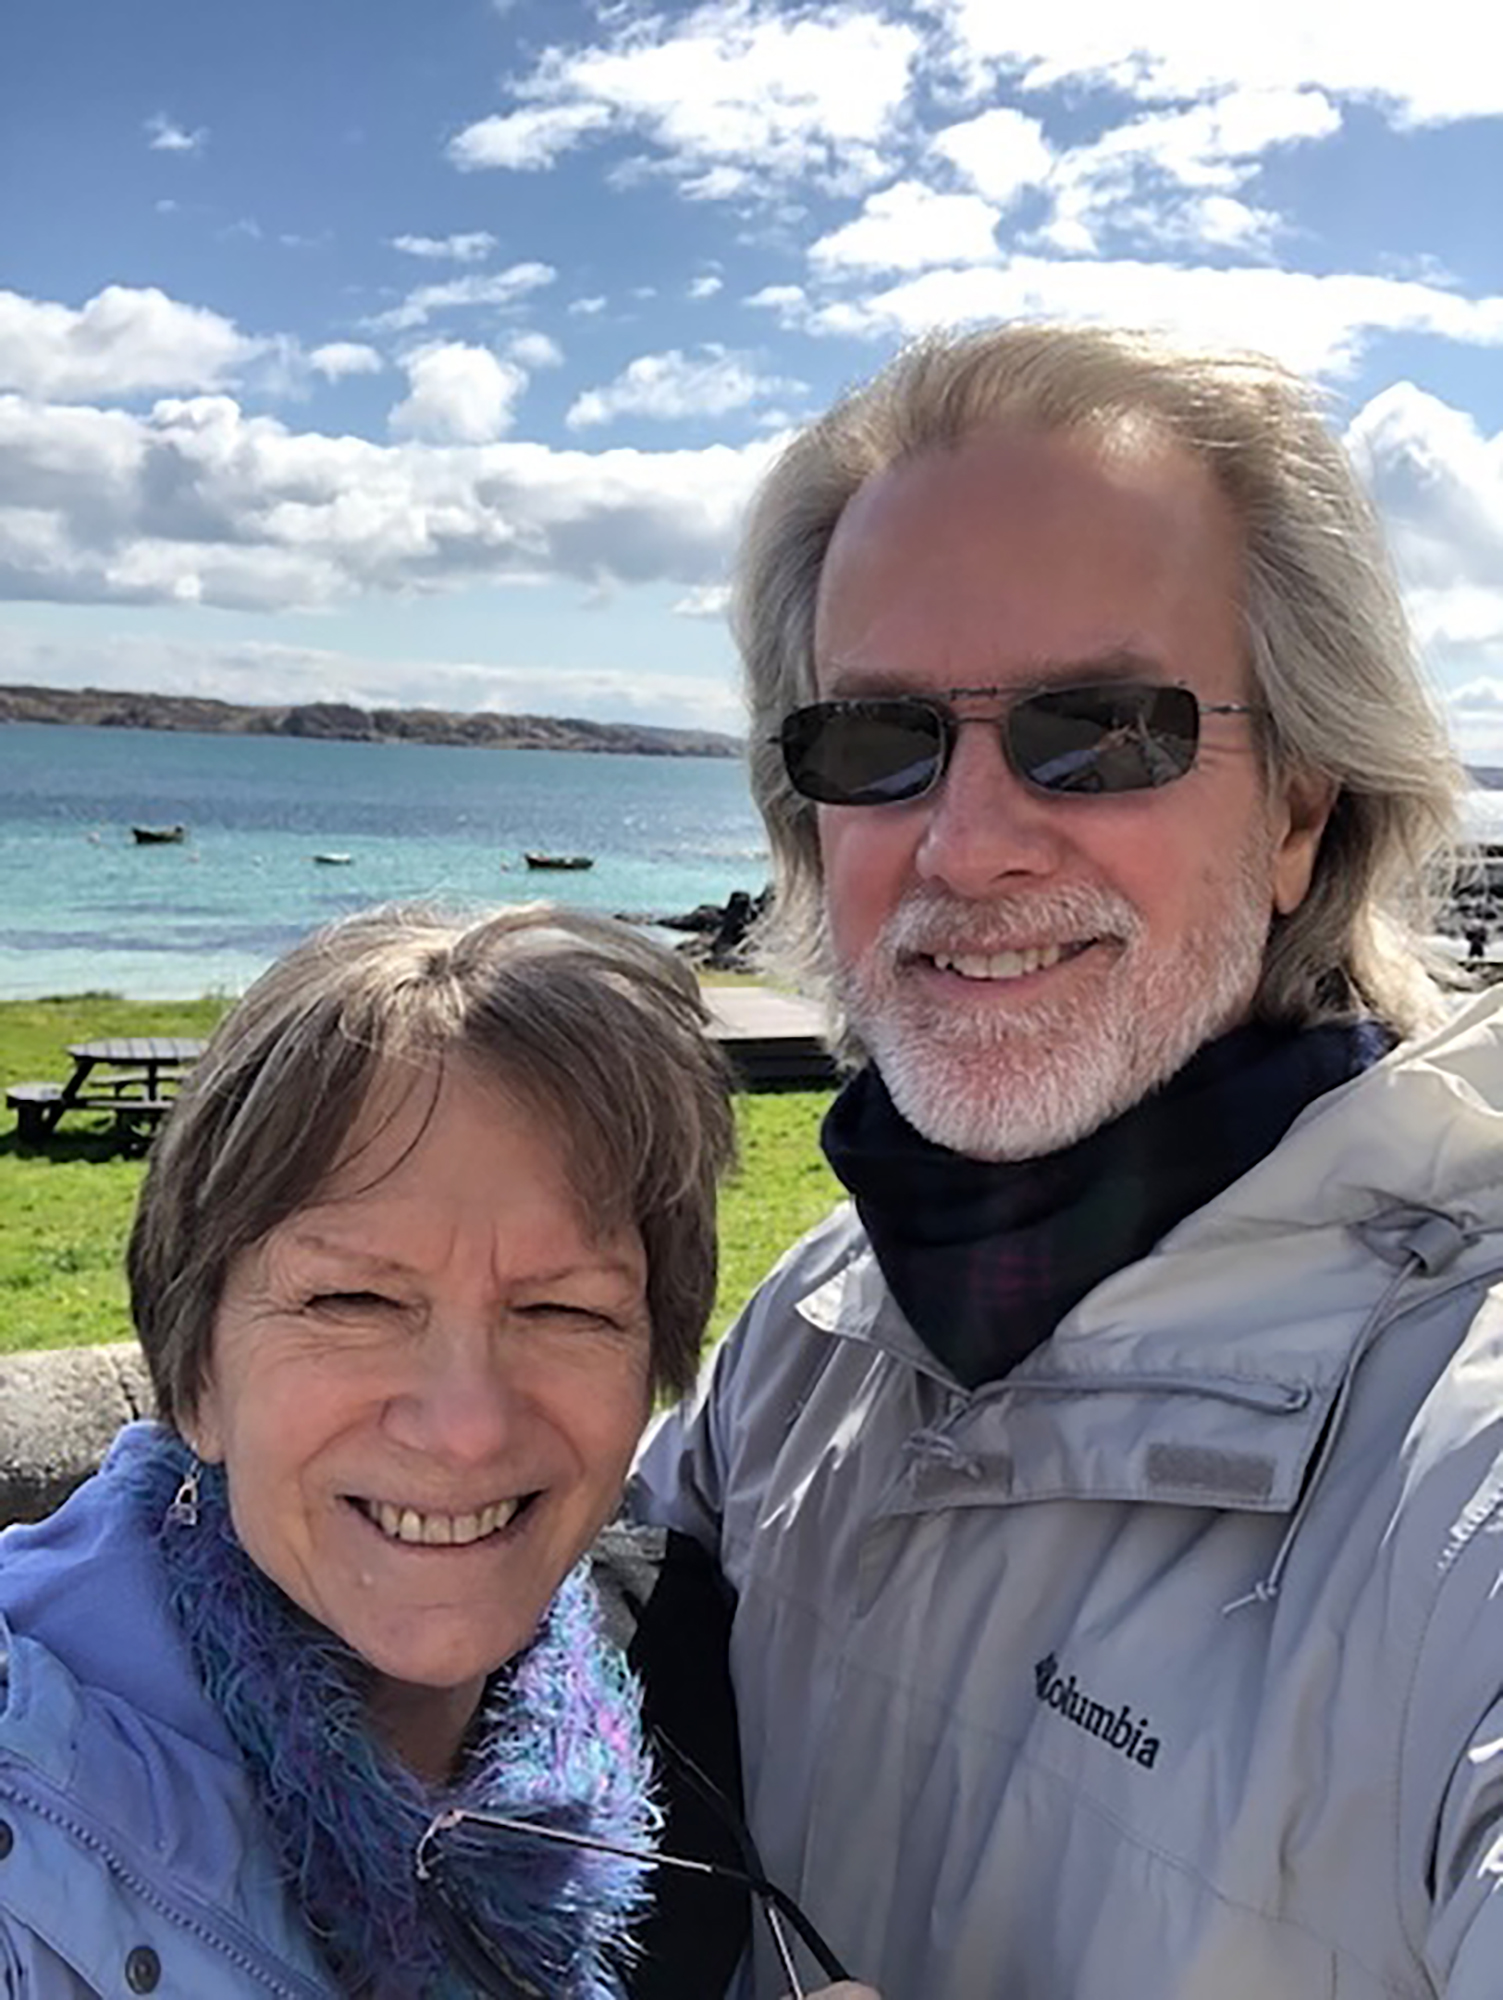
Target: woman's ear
{"points": [[201, 1428]]}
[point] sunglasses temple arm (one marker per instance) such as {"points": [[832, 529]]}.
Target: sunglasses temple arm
{"points": [[755, 1875], [623, 1850], [780, 1944], [808, 1936]]}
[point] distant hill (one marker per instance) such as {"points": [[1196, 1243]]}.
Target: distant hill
{"points": [[1487, 776], [104, 708]]}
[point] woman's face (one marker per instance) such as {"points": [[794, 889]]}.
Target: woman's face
{"points": [[426, 1387]]}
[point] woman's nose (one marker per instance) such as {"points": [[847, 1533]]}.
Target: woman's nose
{"points": [[463, 1399], [984, 823]]}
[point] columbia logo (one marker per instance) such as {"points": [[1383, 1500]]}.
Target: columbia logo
{"points": [[1119, 1729]]}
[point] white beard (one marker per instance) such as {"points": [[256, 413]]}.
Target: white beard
{"points": [[1015, 1083]]}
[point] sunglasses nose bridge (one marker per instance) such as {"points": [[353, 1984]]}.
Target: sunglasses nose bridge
{"points": [[984, 820], [993, 717]]}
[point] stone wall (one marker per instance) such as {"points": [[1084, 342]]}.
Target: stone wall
{"points": [[58, 1411]]}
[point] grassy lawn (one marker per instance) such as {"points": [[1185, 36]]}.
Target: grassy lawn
{"points": [[65, 1207]]}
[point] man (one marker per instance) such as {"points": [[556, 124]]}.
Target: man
{"points": [[1113, 1495]]}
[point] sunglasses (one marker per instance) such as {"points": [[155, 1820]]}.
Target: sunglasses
{"points": [[479, 1960], [1097, 738]]}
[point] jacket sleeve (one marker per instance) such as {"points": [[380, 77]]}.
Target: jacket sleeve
{"points": [[678, 1479], [748, 1393], [1464, 1945]]}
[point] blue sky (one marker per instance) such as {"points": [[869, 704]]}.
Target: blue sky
{"points": [[426, 354]]}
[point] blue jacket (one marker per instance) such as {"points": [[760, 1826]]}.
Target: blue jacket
{"points": [[132, 1854]]}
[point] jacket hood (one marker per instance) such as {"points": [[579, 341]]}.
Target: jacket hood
{"points": [[87, 1585]]}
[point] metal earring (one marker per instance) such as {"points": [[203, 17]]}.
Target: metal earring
{"points": [[183, 1513]]}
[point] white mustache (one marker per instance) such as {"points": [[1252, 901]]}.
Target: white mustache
{"points": [[929, 921]]}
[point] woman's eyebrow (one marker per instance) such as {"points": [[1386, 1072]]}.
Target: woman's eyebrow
{"points": [[610, 1267], [344, 1253]]}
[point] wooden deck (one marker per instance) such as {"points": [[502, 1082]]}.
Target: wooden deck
{"points": [[774, 1040]]}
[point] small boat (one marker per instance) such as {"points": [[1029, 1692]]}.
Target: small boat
{"points": [[333, 860], [559, 860], [158, 836]]}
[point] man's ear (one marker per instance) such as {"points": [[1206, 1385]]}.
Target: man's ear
{"points": [[1303, 805]]}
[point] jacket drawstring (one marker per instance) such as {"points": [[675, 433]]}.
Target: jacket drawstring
{"points": [[1424, 1250]]}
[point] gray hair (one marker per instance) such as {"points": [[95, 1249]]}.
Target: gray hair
{"points": [[1328, 643], [575, 1015]]}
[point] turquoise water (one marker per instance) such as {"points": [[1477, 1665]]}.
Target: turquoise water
{"points": [[82, 908]]}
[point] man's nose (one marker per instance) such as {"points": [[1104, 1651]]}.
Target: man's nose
{"points": [[984, 823]]}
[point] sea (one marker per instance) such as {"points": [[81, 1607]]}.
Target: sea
{"points": [[83, 908]]}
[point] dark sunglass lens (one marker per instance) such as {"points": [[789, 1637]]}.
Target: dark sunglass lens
{"points": [[1114, 736], [863, 753]]}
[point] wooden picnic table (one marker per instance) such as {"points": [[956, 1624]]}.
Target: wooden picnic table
{"points": [[134, 1076]]}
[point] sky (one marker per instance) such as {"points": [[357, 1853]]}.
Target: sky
{"points": [[426, 351]]}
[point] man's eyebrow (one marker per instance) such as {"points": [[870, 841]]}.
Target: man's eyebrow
{"points": [[849, 680]]}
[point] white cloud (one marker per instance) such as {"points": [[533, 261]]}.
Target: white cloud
{"points": [[909, 227], [1433, 67], [1001, 153], [535, 350], [458, 394], [706, 285], [197, 502], [1474, 713], [737, 96], [121, 343], [1438, 482], [789, 302], [338, 358], [1316, 324], [675, 384], [1174, 176], [470, 247], [706, 600], [502, 289], [585, 308], [526, 141], [165, 136]]}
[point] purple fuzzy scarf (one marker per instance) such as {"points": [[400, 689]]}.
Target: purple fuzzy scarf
{"points": [[556, 1740]]}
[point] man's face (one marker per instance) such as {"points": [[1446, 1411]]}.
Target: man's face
{"points": [[1021, 967]]}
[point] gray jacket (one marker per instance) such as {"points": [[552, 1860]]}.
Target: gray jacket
{"points": [[1171, 1665]]}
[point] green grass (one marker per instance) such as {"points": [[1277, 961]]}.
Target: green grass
{"points": [[65, 1206]]}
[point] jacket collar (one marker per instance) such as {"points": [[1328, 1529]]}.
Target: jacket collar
{"points": [[1206, 1372]]}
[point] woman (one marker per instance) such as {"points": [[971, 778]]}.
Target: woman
{"points": [[431, 1224]]}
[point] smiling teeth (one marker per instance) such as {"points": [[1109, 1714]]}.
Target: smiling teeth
{"points": [[405, 1524], [1000, 964]]}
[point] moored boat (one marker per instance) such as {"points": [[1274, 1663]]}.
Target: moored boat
{"points": [[559, 860], [158, 836]]}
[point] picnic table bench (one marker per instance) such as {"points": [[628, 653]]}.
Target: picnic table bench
{"points": [[136, 1078]]}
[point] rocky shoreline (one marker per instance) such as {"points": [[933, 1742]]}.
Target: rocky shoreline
{"points": [[104, 708], [718, 935]]}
